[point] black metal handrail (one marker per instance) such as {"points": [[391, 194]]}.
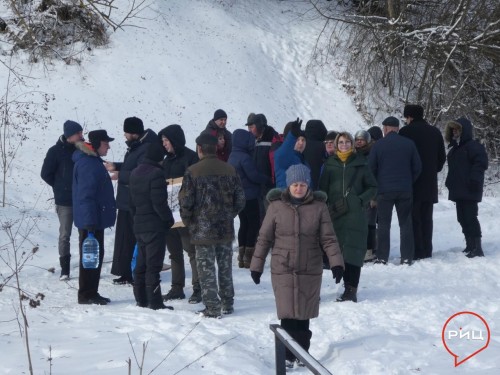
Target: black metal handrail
{"points": [[283, 340]]}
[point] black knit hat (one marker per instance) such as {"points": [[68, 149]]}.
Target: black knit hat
{"points": [[376, 133], [391, 121], [97, 136], [71, 128], [220, 113], [133, 125], [331, 135], [205, 138], [155, 152], [414, 111]]}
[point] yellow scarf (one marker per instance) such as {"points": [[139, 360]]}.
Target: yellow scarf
{"points": [[343, 156]]}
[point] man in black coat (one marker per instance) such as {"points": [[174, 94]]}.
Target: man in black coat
{"points": [[178, 159], [57, 171], [138, 141], [396, 165], [314, 153], [264, 135], [430, 147], [152, 220], [217, 126], [467, 162]]}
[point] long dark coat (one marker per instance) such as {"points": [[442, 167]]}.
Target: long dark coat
{"points": [[352, 227], [467, 162], [430, 147], [295, 234]]}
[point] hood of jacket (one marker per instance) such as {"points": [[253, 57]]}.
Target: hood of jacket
{"points": [[315, 130], [465, 129], [175, 135], [63, 142], [243, 140], [149, 136], [85, 149]]}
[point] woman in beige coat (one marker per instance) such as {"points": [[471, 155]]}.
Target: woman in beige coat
{"points": [[297, 225]]}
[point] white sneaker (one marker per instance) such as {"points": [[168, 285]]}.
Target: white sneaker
{"points": [[289, 364], [64, 278]]}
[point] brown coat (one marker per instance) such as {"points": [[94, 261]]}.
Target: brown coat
{"points": [[295, 233]]}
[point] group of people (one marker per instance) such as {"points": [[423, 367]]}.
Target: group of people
{"points": [[315, 198]]}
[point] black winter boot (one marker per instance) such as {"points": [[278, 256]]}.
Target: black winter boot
{"points": [[248, 256], [478, 250], [469, 244], [155, 299], [140, 295], [349, 294], [65, 266], [241, 256]]}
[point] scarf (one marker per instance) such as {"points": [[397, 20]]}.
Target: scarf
{"points": [[343, 156]]}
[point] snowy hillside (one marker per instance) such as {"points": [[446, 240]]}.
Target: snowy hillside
{"points": [[182, 62]]}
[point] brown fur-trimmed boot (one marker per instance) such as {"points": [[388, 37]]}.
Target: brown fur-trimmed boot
{"points": [[247, 259]]}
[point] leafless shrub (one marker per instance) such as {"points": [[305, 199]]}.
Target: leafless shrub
{"points": [[441, 54]]}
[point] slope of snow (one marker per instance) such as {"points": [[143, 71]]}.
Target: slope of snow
{"points": [[178, 67]]}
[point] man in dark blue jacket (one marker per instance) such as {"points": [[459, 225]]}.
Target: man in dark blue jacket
{"points": [[94, 207], [430, 147], [396, 165], [137, 141], [57, 171], [467, 162]]}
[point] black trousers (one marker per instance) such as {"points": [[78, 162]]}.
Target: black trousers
{"points": [[352, 275], [151, 252], [124, 245], [178, 240], [88, 279], [299, 330], [422, 228], [467, 212], [403, 203], [249, 223]]}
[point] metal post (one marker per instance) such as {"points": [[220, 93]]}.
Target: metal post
{"points": [[280, 352]]}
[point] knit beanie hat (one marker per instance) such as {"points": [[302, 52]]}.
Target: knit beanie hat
{"points": [[298, 173], [71, 128], [414, 111], [220, 113], [391, 121], [375, 133], [363, 134], [331, 135], [133, 125], [155, 152]]}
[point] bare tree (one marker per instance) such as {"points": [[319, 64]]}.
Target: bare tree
{"points": [[442, 54]]}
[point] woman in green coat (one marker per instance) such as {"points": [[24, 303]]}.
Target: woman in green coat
{"points": [[346, 174]]}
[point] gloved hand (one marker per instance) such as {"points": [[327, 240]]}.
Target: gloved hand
{"points": [[474, 186], [338, 272], [90, 229], [295, 128], [256, 276]]}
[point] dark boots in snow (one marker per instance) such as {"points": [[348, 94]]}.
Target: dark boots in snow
{"points": [[349, 294], [155, 299], [241, 256], [65, 266], [469, 245], [248, 256], [141, 298], [478, 250]]}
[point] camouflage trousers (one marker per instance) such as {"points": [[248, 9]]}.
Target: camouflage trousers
{"points": [[206, 257]]}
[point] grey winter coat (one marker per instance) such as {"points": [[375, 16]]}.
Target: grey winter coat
{"points": [[295, 234]]}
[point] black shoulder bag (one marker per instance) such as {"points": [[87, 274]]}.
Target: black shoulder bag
{"points": [[340, 207]]}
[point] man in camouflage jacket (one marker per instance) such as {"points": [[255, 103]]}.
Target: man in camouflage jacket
{"points": [[210, 197]]}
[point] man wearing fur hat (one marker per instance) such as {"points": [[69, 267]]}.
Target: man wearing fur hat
{"points": [[467, 162], [94, 207], [210, 198], [57, 171], [430, 147], [138, 141], [216, 126]]}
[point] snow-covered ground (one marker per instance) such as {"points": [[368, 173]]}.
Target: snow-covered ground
{"points": [[184, 62]]}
